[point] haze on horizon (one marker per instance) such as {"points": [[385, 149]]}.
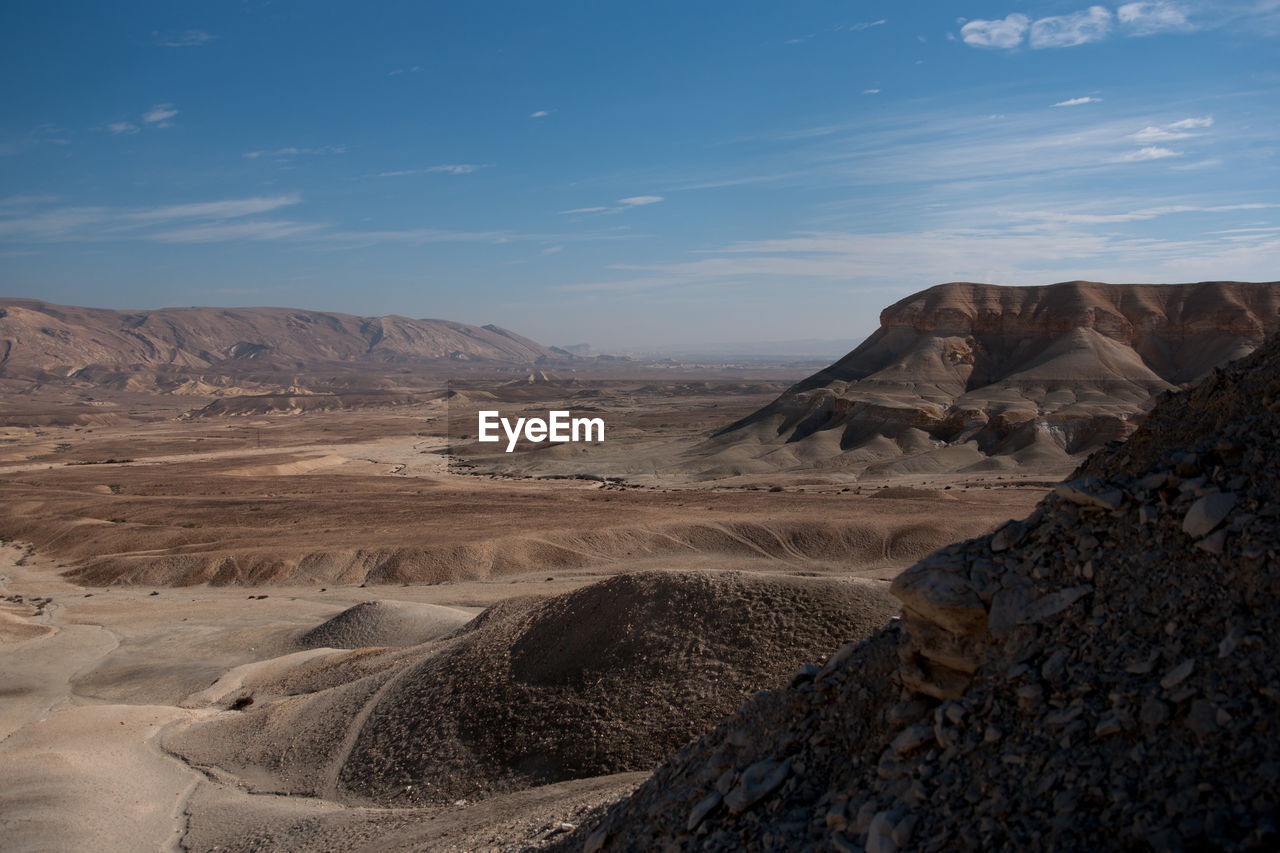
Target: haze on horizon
{"points": [[631, 175]]}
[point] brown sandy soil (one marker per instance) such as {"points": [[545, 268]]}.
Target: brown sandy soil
{"points": [[87, 701], [272, 501], [157, 591]]}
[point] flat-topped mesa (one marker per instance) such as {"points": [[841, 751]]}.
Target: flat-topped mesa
{"points": [[963, 374], [1146, 317]]}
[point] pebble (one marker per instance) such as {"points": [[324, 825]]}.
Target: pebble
{"points": [[1207, 513]]}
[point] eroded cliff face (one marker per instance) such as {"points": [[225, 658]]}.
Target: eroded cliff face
{"points": [[965, 374], [1099, 675]]}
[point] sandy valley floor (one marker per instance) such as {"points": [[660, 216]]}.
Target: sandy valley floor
{"points": [[141, 591]]}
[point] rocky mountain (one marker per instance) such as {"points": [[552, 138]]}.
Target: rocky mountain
{"points": [[41, 341], [980, 376], [1100, 675]]}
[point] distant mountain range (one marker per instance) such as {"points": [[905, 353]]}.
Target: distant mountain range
{"points": [[982, 377], [43, 342]]}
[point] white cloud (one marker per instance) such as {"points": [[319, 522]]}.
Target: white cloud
{"points": [[1089, 25], [28, 219], [1011, 247], [866, 25], [159, 115], [447, 168], [413, 69], [1207, 163], [1151, 152], [1075, 102], [292, 151], [98, 223], [51, 224], [623, 204], [121, 127], [229, 209], [540, 114], [1151, 133], [1004, 33], [455, 168], [189, 38], [219, 232], [553, 250], [1173, 130], [1148, 18], [870, 91]]}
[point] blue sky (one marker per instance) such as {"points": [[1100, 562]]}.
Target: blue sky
{"points": [[631, 174]]}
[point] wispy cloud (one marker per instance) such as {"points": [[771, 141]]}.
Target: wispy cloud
{"points": [[1173, 131], [159, 115], [553, 250], [866, 25], [1207, 163], [1013, 246], [221, 232], [623, 204], [1090, 25], [41, 134], [187, 38], [1149, 18], [291, 151], [540, 114], [1075, 102], [1150, 152], [35, 219], [446, 168], [156, 117], [1003, 33], [38, 221], [413, 69], [230, 209], [870, 91], [1097, 23]]}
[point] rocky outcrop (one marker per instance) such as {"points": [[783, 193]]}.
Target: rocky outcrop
{"points": [[1100, 675], [980, 376], [46, 342]]}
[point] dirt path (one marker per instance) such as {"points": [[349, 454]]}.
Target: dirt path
{"points": [[401, 450]]}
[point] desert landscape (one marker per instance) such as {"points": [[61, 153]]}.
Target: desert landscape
{"points": [[268, 597], [649, 427]]}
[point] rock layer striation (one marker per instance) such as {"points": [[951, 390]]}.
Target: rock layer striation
{"points": [[982, 377], [1100, 675]]}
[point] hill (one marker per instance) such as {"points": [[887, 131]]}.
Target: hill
{"points": [[607, 678], [133, 350], [1099, 675], [982, 377]]}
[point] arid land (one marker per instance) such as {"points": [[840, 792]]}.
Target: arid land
{"points": [[252, 601], [151, 557]]}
